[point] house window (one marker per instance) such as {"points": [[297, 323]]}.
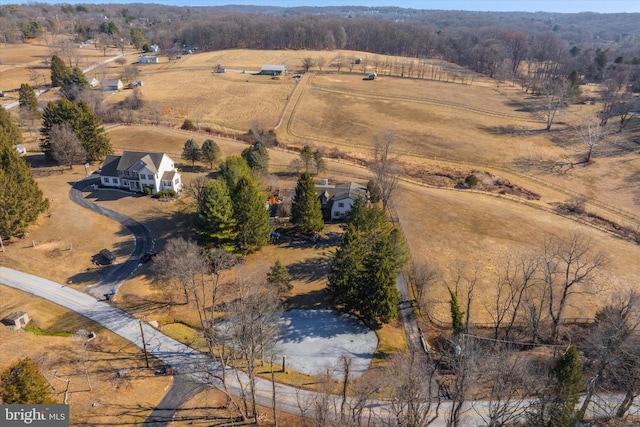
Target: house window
{"points": [[115, 180], [106, 180], [340, 204], [177, 181]]}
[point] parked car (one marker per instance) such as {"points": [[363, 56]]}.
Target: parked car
{"points": [[110, 257]]}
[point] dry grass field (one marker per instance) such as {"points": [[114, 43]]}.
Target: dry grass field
{"points": [[97, 396], [432, 119]]}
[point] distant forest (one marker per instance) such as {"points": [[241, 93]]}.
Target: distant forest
{"points": [[595, 47]]}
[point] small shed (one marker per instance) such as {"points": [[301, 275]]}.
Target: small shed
{"points": [[273, 70], [94, 83], [17, 319], [149, 60], [109, 85]]}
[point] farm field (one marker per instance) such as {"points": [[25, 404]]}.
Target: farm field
{"points": [[457, 124]]}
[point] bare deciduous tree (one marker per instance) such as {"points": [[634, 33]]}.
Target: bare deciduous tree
{"points": [[414, 395], [554, 93], [181, 264], [611, 339], [385, 168], [569, 267], [307, 63], [66, 148]]}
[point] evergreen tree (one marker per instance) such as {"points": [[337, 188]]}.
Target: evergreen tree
{"points": [[22, 383], [72, 86], [91, 133], [279, 277], [347, 269], [251, 215], [257, 157], [378, 296], [28, 100], [60, 73], [210, 152], [232, 169], [374, 191], [306, 211], [191, 151], [84, 122], [215, 211], [137, 38], [557, 404], [366, 264], [21, 201], [456, 314]]}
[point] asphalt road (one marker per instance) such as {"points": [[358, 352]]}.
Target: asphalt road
{"points": [[114, 275]]}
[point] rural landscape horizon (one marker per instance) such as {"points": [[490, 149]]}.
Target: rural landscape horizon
{"points": [[319, 214]]}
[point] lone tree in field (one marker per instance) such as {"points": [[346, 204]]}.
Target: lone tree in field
{"points": [[384, 167], [66, 148], [279, 277], [22, 383], [210, 152], [306, 211], [306, 155], [191, 151], [28, 100], [21, 199]]}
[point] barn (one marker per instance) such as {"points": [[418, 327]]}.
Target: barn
{"points": [[273, 70], [148, 60]]}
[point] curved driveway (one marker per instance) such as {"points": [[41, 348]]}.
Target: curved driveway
{"points": [[113, 276]]}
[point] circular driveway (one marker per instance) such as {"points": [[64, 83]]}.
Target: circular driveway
{"points": [[315, 340]]}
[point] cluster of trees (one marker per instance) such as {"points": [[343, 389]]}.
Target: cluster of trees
{"points": [[209, 152], [239, 320], [68, 128], [365, 266], [21, 199], [70, 80], [232, 209], [309, 158]]}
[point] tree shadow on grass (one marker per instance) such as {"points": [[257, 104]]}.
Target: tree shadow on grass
{"points": [[315, 299], [310, 269]]}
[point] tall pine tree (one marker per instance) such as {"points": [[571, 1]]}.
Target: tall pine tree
{"points": [[251, 215], [347, 269], [85, 124], [60, 73], [21, 200], [28, 100], [215, 211], [306, 211]]}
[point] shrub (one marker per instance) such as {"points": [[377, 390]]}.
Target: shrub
{"points": [[166, 193], [147, 190], [188, 125], [471, 180]]}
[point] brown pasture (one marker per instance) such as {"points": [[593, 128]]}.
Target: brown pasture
{"points": [[97, 396], [432, 119]]}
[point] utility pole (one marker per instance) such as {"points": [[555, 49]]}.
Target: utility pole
{"points": [[144, 344]]}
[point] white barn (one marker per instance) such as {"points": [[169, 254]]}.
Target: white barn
{"points": [[273, 70]]}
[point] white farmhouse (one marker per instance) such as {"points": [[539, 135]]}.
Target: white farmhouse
{"points": [[336, 200], [136, 170]]}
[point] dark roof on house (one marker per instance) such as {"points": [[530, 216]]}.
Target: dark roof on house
{"points": [[347, 190], [110, 166], [131, 160]]}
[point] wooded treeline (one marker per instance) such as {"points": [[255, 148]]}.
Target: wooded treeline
{"points": [[495, 44]]}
